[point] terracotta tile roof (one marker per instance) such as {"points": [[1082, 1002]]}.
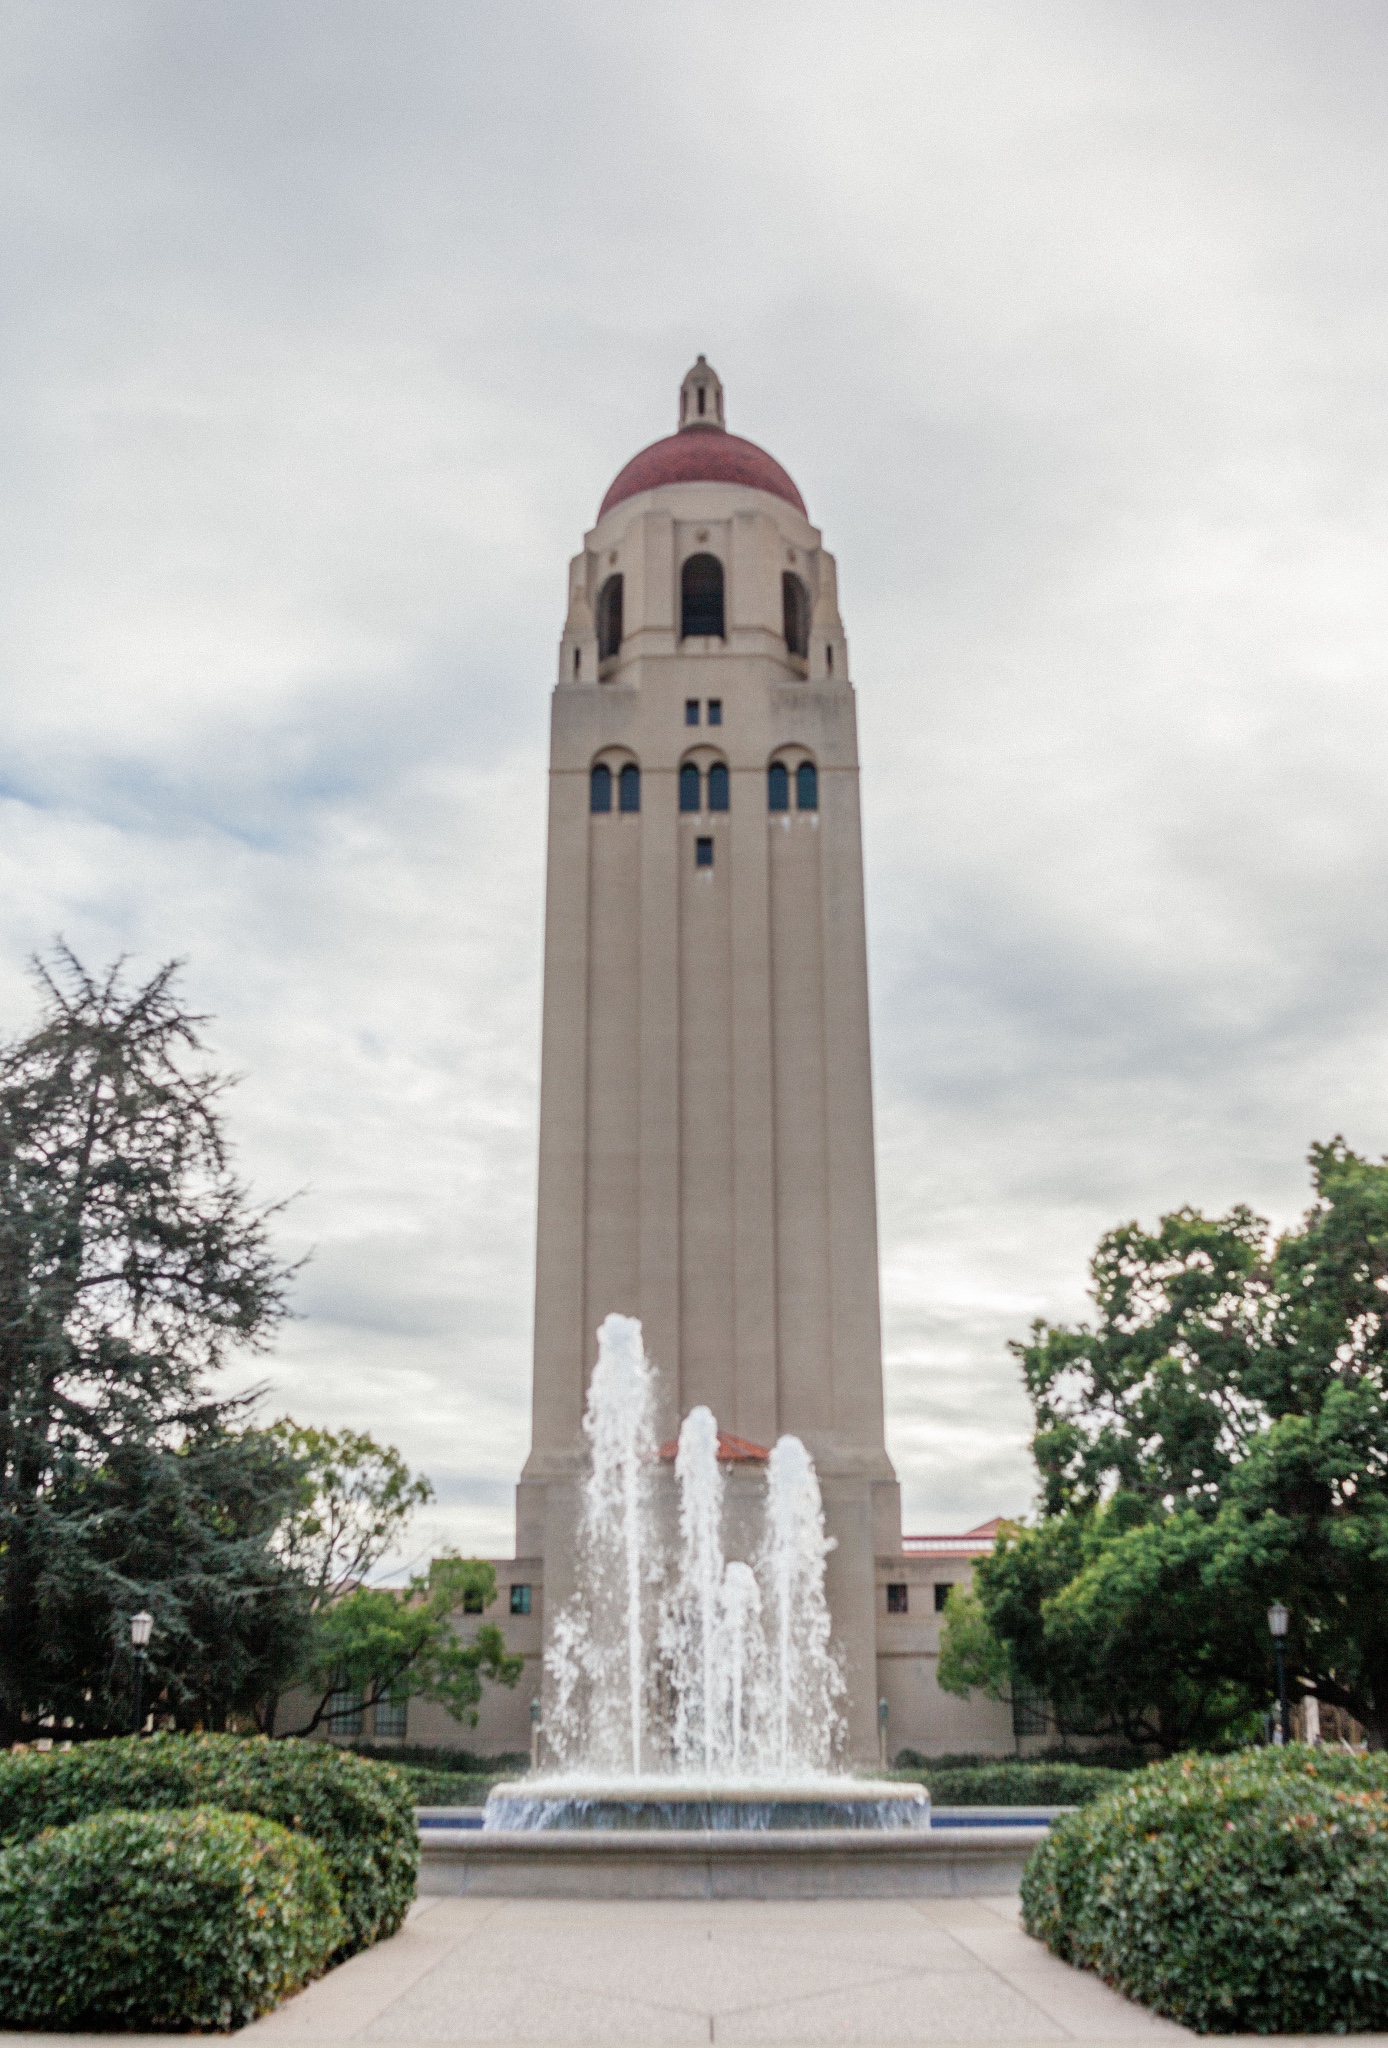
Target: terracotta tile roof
{"points": [[696, 456], [732, 1450]]}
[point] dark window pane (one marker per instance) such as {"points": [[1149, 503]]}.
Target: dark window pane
{"points": [[943, 1589], [807, 787], [600, 788], [689, 787], [472, 1602], [718, 787], [392, 1717], [610, 618], [795, 610], [629, 788], [691, 711], [778, 787], [703, 853], [701, 598], [715, 710], [520, 1599], [898, 1600]]}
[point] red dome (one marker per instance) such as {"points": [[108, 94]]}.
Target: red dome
{"points": [[702, 455]]}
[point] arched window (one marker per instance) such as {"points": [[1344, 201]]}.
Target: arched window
{"points": [[795, 610], [689, 787], [701, 598], [807, 787], [777, 787], [609, 618], [718, 787], [629, 788], [600, 788]]}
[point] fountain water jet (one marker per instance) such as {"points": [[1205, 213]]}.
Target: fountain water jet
{"points": [[753, 1725]]}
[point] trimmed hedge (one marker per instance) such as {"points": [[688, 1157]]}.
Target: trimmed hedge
{"points": [[1236, 1894], [161, 1921], [452, 1788], [1017, 1784], [360, 1814]]}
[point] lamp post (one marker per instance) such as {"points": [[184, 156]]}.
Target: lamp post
{"points": [[141, 1629], [1278, 1619]]}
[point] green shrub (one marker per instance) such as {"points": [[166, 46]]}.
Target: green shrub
{"points": [[1244, 1893], [161, 1920], [407, 1756], [452, 1788], [360, 1814], [1017, 1784]]}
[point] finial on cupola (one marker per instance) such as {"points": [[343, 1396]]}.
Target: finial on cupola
{"points": [[701, 398]]}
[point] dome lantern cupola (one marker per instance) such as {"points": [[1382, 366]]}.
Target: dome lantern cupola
{"points": [[701, 399]]}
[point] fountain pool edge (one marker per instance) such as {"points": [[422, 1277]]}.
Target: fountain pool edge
{"points": [[791, 1863]]}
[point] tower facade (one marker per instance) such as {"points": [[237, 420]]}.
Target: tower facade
{"points": [[706, 1145]]}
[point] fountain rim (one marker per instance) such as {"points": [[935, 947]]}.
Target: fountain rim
{"points": [[728, 1791]]}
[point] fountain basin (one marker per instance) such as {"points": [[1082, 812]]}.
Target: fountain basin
{"points": [[709, 1806]]}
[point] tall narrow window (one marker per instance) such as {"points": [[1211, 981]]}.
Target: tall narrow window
{"points": [[629, 788], [807, 787], [610, 618], [828, 658], [701, 598], [703, 853], [392, 1718], [795, 611], [689, 787], [691, 711], [600, 788], [578, 662], [777, 787], [718, 787], [715, 710]]}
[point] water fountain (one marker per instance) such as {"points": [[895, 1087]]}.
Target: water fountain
{"points": [[689, 1690]]}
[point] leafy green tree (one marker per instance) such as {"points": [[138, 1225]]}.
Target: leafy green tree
{"points": [[1217, 1439], [382, 1643], [131, 1265], [355, 1499]]}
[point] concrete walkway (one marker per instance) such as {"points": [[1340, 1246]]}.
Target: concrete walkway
{"points": [[587, 1972]]}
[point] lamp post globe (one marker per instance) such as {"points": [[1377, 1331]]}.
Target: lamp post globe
{"points": [[1278, 1621], [141, 1629]]}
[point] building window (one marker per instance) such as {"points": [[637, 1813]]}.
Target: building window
{"points": [[600, 788], [520, 1599], [718, 787], [898, 1600], [629, 788], [472, 1601], [778, 787], [943, 1589], [691, 711], [610, 618], [795, 612], [1029, 1714], [701, 598], [343, 1711], [807, 787], [392, 1718], [715, 710], [689, 787], [703, 853], [828, 659], [578, 662]]}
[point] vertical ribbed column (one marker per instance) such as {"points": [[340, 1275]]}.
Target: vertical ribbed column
{"points": [[754, 1177], [707, 1332], [614, 1046], [655, 1080], [803, 1304]]}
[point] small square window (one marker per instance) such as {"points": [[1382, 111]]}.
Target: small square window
{"points": [[898, 1600], [392, 1719], [943, 1589], [520, 1599], [703, 853], [715, 710], [472, 1602], [691, 711]]}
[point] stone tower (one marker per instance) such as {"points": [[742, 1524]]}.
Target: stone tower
{"points": [[706, 1147]]}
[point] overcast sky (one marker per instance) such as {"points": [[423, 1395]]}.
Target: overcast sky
{"points": [[326, 326]]}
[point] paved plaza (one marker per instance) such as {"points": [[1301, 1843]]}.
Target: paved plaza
{"points": [[576, 1971]]}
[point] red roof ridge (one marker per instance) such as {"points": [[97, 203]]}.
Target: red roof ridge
{"points": [[732, 1450]]}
